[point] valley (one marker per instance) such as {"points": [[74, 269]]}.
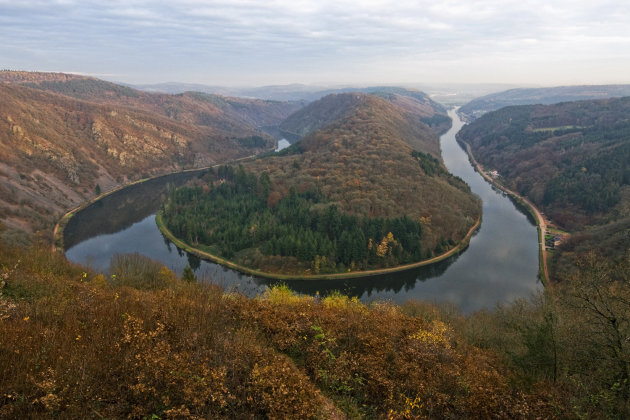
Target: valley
{"points": [[571, 160], [467, 280], [364, 169]]}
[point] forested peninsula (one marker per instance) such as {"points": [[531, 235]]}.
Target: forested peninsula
{"points": [[365, 191]]}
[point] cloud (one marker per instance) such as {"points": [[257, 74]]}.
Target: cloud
{"points": [[278, 38]]}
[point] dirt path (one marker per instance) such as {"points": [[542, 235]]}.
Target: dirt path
{"points": [[540, 219]]}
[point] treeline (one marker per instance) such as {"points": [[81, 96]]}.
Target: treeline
{"points": [[232, 213], [594, 183], [252, 141], [579, 150]]}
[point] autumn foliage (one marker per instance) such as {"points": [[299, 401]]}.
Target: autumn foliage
{"points": [[77, 344]]}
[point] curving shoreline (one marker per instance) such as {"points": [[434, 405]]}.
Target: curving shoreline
{"points": [[540, 220], [58, 230], [335, 276]]}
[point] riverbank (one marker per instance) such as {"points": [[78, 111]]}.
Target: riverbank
{"points": [[58, 230], [538, 217], [462, 245]]}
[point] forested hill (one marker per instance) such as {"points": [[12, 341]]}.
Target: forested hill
{"points": [[63, 138], [216, 111], [335, 105], [544, 96], [375, 162], [571, 159]]}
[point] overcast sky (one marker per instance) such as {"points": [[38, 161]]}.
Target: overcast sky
{"points": [[244, 42]]}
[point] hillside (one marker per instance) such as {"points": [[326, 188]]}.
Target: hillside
{"points": [[336, 104], [375, 161], [142, 343], [544, 96], [571, 159], [216, 111], [65, 137]]}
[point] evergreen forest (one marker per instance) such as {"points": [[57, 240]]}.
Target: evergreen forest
{"points": [[231, 215]]}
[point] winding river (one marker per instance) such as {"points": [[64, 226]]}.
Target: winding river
{"points": [[499, 266]]}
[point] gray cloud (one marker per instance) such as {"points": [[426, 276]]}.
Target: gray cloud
{"points": [[279, 41]]}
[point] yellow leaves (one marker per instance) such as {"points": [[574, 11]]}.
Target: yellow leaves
{"points": [[339, 301], [412, 409], [166, 276], [26, 318], [281, 294], [99, 281], [385, 247], [436, 334]]}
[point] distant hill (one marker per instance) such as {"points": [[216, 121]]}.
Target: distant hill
{"points": [[571, 159], [63, 137], [217, 111], [290, 92], [431, 112], [373, 159], [336, 105], [544, 96]]}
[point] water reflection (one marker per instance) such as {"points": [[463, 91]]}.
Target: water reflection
{"points": [[118, 211], [500, 264]]}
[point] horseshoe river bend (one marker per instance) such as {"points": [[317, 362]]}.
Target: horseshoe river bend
{"points": [[499, 265]]}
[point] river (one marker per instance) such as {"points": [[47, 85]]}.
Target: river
{"points": [[499, 266]]}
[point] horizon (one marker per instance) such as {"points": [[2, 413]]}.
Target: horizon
{"points": [[250, 44]]}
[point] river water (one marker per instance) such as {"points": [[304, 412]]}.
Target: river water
{"points": [[499, 266]]}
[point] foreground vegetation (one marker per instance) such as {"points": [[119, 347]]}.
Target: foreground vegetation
{"points": [[141, 343]]}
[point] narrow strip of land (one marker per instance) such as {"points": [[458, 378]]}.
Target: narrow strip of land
{"points": [[280, 276], [540, 219]]}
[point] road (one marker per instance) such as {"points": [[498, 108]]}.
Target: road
{"points": [[540, 219]]}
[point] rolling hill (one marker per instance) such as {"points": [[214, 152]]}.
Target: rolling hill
{"points": [[374, 159], [66, 137], [332, 107], [544, 96]]}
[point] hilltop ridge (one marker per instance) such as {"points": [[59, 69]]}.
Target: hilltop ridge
{"points": [[543, 96]]}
